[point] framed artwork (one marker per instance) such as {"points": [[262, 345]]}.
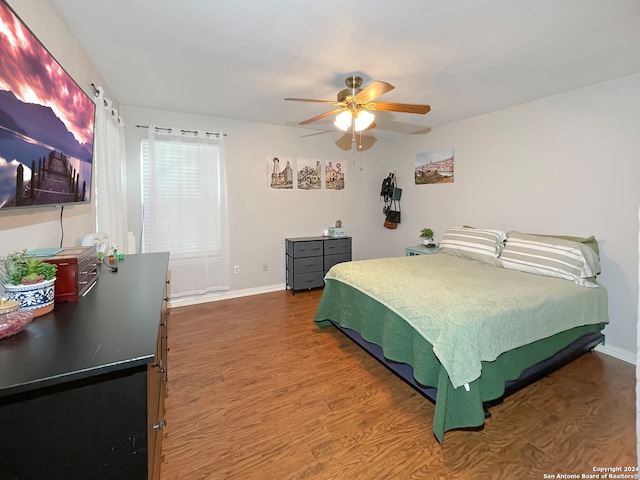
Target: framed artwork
{"points": [[435, 166], [279, 173], [334, 175], [309, 173]]}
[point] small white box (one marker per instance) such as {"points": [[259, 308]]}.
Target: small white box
{"points": [[337, 232]]}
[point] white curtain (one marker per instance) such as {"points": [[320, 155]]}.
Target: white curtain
{"points": [[185, 207], [110, 179]]}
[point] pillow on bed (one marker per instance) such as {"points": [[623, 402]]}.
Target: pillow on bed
{"points": [[551, 256], [474, 243], [588, 241]]}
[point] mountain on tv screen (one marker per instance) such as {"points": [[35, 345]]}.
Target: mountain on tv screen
{"points": [[46, 124]]}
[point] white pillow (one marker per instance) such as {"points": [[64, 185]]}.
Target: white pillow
{"points": [[552, 257], [481, 245]]}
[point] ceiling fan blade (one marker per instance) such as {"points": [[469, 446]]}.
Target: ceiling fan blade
{"points": [[361, 142], [320, 117], [365, 142], [314, 134], [330, 102], [344, 142], [373, 91], [398, 107], [422, 131]]}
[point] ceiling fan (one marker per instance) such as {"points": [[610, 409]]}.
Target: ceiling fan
{"points": [[354, 105]]}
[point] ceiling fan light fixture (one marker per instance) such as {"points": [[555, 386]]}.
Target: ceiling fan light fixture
{"points": [[363, 120], [343, 120]]}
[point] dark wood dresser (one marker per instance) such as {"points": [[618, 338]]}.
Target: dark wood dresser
{"points": [[77, 272], [82, 388]]}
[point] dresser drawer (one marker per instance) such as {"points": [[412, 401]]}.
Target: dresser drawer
{"points": [[308, 280], [341, 245], [305, 249], [77, 272], [87, 273], [307, 265], [331, 260]]}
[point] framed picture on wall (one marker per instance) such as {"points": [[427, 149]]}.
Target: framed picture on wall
{"points": [[309, 173], [334, 175], [435, 166], [279, 173]]}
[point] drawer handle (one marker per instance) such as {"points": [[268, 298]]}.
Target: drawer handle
{"points": [[160, 425], [84, 282]]}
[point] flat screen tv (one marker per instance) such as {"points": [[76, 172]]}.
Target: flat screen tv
{"points": [[46, 124]]}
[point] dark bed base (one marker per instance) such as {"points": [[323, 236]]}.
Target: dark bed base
{"points": [[535, 372]]}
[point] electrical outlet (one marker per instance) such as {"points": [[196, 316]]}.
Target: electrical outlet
{"points": [[236, 270], [265, 267]]}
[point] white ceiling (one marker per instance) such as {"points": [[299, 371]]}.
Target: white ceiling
{"points": [[240, 58]]}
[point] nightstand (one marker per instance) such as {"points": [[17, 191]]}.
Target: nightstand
{"points": [[420, 250]]}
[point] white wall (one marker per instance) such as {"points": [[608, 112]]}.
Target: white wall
{"points": [[260, 217], [567, 164], [40, 227]]}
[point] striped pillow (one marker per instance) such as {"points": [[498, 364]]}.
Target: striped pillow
{"points": [[474, 243], [552, 257]]}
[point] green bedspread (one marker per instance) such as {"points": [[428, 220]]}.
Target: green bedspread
{"points": [[451, 319], [471, 311]]}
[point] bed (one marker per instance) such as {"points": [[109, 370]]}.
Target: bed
{"points": [[474, 322]]}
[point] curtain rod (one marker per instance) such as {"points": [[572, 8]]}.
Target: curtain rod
{"points": [[183, 131], [114, 113], [96, 92]]}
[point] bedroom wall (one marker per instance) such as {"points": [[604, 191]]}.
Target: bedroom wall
{"points": [[260, 217], [40, 227], [566, 164]]}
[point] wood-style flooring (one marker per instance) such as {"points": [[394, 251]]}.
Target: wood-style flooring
{"points": [[257, 391]]}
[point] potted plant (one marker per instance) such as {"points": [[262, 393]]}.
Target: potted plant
{"points": [[427, 237], [30, 281]]}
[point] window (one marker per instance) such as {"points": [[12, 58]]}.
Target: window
{"points": [[184, 208]]}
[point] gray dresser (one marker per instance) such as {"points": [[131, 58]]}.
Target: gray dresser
{"points": [[309, 258]]}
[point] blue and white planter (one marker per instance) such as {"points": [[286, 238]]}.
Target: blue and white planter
{"points": [[37, 297]]}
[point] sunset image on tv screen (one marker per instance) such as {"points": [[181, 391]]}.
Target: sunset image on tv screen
{"points": [[46, 124]]}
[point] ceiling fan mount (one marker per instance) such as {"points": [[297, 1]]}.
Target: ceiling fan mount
{"points": [[354, 86]]}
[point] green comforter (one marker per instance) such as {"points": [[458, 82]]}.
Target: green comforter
{"points": [[471, 311], [452, 318]]}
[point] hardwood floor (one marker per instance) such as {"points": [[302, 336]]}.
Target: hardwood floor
{"points": [[257, 391]]}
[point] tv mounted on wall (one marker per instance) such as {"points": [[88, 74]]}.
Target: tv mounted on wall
{"points": [[46, 124]]}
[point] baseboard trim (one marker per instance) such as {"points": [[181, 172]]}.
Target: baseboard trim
{"points": [[215, 296], [619, 353]]}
